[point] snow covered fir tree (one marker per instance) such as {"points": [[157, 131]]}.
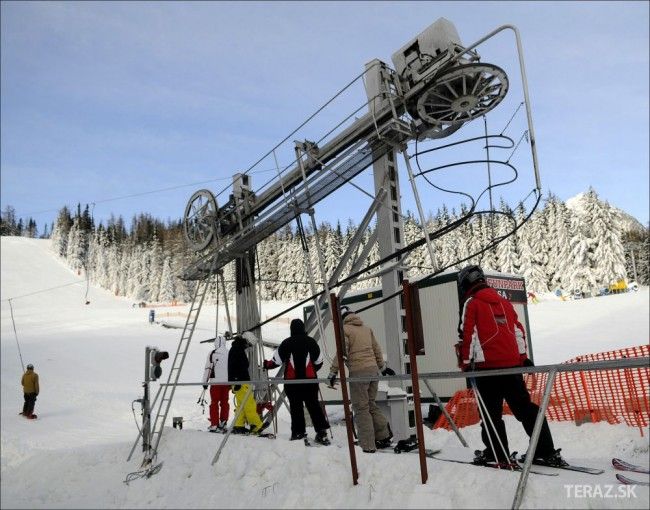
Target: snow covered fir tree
{"points": [[580, 248]]}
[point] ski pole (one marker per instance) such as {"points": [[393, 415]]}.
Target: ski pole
{"points": [[201, 401], [487, 422], [320, 393]]}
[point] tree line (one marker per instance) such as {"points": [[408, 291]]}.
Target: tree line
{"points": [[578, 250]]}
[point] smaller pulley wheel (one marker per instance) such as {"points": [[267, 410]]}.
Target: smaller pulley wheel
{"points": [[462, 93], [200, 219]]}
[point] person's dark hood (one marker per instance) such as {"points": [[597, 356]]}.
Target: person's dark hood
{"points": [[239, 342], [297, 328]]}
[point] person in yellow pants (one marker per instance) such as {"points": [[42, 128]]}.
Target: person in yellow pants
{"points": [[249, 413], [238, 371]]}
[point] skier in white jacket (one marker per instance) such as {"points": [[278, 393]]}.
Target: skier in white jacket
{"points": [[216, 370]]}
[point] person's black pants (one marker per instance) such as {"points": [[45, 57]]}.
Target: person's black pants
{"points": [[28, 406], [511, 388], [307, 394]]}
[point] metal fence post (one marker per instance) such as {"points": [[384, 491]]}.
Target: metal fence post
{"points": [[521, 487], [338, 334]]}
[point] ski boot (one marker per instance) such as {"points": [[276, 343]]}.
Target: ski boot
{"points": [[261, 428], [239, 430], [321, 438], [383, 443], [554, 459], [222, 425], [296, 437], [486, 457], [213, 428]]}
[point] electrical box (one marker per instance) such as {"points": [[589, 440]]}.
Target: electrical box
{"points": [[240, 184], [417, 55]]}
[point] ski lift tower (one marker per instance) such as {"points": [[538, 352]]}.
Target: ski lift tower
{"points": [[437, 86], [457, 93]]}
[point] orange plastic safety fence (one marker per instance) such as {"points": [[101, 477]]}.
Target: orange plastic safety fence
{"points": [[614, 396]]}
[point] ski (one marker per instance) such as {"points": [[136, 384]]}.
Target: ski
{"points": [[621, 465], [516, 468], [265, 435], [630, 481], [567, 467], [427, 451], [571, 467]]}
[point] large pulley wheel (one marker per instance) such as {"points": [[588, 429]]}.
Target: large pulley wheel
{"points": [[461, 94], [200, 220]]}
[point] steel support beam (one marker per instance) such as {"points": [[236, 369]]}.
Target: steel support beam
{"points": [[390, 231]]}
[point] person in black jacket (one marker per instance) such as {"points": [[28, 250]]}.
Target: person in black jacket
{"points": [[238, 371], [302, 358]]}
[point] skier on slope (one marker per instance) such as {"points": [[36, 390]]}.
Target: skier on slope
{"points": [[303, 359], [216, 370], [491, 337], [238, 371], [364, 358], [30, 391]]}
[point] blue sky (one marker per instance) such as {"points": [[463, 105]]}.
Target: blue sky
{"points": [[102, 100]]}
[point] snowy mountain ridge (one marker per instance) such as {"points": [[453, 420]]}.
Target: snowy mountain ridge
{"points": [[628, 222]]}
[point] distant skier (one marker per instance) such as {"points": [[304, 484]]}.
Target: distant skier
{"points": [[216, 370], [303, 359], [238, 371], [30, 390], [491, 337], [364, 358], [152, 316]]}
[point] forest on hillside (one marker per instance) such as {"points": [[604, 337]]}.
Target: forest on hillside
{"points": [[579, 251]]}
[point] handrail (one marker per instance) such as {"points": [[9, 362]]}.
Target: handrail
{"points": [[618, 364]]}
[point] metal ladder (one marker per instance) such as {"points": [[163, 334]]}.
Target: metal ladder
{"points": [[179, 358]]}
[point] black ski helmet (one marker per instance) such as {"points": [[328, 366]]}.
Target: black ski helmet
{"points": [[345, 311], [469, 276]]}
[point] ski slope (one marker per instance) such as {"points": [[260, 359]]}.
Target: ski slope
{"points": [[90, 362]]}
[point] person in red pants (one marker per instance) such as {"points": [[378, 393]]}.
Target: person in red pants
{"points": [[216, 370]]}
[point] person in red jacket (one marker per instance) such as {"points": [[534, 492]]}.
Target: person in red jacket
{"points": [[492, 337]]}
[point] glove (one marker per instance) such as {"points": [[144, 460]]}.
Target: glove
{"points": [[235, 388], [528, 363], [268, 364], [332, 378], [387, 371], [205, 386]]}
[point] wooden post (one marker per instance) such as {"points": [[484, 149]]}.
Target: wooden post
{"points": [[408, 291], [338, 335]]}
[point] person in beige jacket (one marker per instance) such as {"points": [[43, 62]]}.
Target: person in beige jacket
{"points": [[30, 390], [364, 358]]}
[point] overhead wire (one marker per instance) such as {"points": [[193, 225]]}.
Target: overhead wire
{"points": [[150, 192], [305, 122], [13, 322], [445, 229]]}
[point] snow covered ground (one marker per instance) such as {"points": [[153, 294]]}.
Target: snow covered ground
{"points": [[90, 362]]}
